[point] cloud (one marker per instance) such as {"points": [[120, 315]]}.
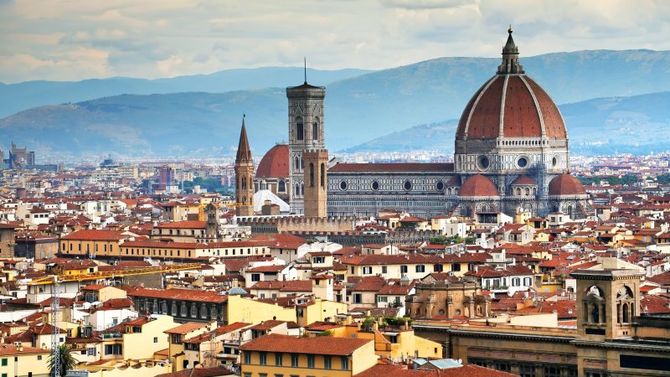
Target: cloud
{"points": [[70, 40]]}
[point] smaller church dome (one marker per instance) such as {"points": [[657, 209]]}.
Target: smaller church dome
{"points": [[524, 180], [274, 163], [478, 186], [565, 184]]}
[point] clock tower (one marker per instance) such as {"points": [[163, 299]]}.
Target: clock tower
{"points": [[306, 133]]}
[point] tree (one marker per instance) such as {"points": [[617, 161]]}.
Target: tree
{"points": [[67, 361]]}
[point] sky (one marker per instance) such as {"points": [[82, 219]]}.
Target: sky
{"points": [[80, 39]]}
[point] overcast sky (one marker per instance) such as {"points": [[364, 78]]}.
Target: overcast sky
{"points": [[79, 39]]}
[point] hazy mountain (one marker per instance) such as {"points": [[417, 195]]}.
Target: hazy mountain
{"points": [[603, 125], [357, 109], [25, 95]]}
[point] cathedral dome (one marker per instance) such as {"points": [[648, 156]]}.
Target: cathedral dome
{"points": [[478, 186], [565, 184], [274, 163], [510, 105]]}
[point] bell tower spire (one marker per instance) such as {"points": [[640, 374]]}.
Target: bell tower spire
{"points": [[510, 57], [244, 176]]}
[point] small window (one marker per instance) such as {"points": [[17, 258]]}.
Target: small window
{"points": [[407, 185], [327, 362], [310, 361], [375, 185], [263, 358], [343, 185], [439, 186], [344, 363], [522, 162], [294, 360], [247, 358], [403, 269]]}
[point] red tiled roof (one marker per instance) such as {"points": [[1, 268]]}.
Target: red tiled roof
{"points": [[274, 163], [94, 235], [565, 184], [185, 328], [12, 350], [187, 224], [478, 186], [396, 370], [320, 345], [177, 294]]}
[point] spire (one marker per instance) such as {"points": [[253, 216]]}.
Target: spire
{"points": [[243, 150], [510, 56], [305, 61]]}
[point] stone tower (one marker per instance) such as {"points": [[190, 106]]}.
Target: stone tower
{"points": [[306, 132], [244, 176], [316, 182], [608, 299]]}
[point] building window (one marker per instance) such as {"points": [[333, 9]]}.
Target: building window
{"points": [[375, 185], [403, 269], [327, 362], [247, 358], [439, 186], [384, 269], [299, 129], [344, 363], [483, 162], [357, 298], [311, 174], [407, 185], [263, 358], [438, 268], [155, 339], [315, 129], [4, 362], [343, 185], [367, 270], [294, 360], [310, 361], [420, 268], [278, 359], [522, 162]]}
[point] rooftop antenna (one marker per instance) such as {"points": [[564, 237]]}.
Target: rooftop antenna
{"points": [[305, 65]]}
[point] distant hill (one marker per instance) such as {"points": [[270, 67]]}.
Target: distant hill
{"points": [[358, 108], [637, 124], [25, 95]]}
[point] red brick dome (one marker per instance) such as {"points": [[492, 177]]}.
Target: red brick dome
{"points": [[478, 186], [565, 184], [510, 104], [275, 163]]}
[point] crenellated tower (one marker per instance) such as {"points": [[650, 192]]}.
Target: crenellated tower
{"points": [[244, 176]]}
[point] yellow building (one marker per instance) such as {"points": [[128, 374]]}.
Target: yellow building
{"points": [[392, 343], [91, 242], [241, 309], [274, 355], [137, 339], [18, 361]]}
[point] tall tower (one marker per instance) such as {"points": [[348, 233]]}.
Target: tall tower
{"points": [[305, 132], [244, 176]]}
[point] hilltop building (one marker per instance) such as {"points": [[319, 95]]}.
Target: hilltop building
{"points": [[511, 153]]}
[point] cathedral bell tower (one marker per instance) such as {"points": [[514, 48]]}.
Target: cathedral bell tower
{"points": [[306, 133], [244, 176]]}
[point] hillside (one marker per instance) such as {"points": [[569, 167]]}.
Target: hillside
{"points": [[357, 108], [26, 95]]}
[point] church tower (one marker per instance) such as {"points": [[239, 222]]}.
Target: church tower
{"points": [[608, 300], [316, 182], [306, 133], [244, 176]]}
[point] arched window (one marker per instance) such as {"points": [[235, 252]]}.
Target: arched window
{"points": [[323, 175], [315, 129], [302, 189], [281, 186], [297, 189], [296, 163], [299, 129], [527, 191], [244, 183]]}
